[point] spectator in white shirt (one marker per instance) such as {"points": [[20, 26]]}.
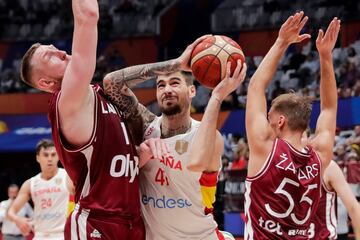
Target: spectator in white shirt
{"points": [[9, 228]]}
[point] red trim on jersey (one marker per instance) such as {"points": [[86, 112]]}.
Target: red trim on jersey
{"points": [[209, 179], [72, 198], [86, 145], [321, 167], [325, 187], [208, 210], [218, 233], [266, 164], [333, 200], [294, 150]]}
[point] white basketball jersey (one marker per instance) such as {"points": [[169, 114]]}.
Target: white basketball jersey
{"points": [[174, 200], [51, 200]]}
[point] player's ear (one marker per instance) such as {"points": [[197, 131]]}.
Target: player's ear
{"points": [[45, 83], [192, 91], [281, 121]]}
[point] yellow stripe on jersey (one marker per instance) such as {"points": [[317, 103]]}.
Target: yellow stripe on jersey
{"points": [[208, 183], [71, 205], [208, 196]]}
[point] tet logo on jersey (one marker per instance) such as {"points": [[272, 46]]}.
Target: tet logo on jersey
{"points": [[181, 146]]}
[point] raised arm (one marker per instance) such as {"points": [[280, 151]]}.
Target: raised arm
{"points": [[208, 145], [118, 85], [22, 198], [258, 130], [77, 99], [80, 71], [335, 177], [326, 124]]}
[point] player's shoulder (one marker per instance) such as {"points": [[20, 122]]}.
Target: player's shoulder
{"points": [[195, 124], [62, 172], [26, 186]]}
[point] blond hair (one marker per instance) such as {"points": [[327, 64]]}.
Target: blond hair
{"points": [[297, 110], [25, 67]]}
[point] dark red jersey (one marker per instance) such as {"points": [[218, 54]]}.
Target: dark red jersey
{"points": [[324, 224], [105, 170], [280, 200]]}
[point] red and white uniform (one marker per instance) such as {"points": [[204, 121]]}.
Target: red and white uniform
{"points": [[176, 202], [51, 200], [324, 223], [105, 174], [280, 199]]}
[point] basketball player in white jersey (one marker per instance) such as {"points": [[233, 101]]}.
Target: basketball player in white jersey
{"points": [[178, 190], [50, 191]]}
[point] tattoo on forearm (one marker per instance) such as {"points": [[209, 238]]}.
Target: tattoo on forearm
{"points": [[140, 73], [117, 86], [136, 74], [122, 96], [138, 116]]}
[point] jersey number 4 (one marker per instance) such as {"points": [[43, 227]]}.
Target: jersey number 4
{"points": [[304, 198], [161, 177]]}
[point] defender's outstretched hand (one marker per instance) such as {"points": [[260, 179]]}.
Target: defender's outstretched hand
{"points": [[290, 30], [326, 43]]}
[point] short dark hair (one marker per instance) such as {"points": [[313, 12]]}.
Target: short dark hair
{"points": [[25, 67], [44, 143], [296, 108], [13, 185], [189, 78]]}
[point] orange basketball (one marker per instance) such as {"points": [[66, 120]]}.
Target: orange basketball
{"points": [[209, 58]]}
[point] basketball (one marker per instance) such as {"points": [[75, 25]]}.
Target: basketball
{"points": [[210, 56]]}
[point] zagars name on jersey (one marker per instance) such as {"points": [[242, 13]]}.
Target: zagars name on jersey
{"points": [[127, 167], [308, 173]]}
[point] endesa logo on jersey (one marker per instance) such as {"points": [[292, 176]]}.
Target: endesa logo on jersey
{"points": [[165, 202]]}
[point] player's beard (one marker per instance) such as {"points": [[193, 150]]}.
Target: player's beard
{"points": [[171, 110]]}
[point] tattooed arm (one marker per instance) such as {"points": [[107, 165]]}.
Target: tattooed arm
{"points": [[117, 86]]}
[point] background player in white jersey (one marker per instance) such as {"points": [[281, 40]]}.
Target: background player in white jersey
{"points": [[9, 229], [49, 191], [325, 220], [178, 190], [277, 160]]}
